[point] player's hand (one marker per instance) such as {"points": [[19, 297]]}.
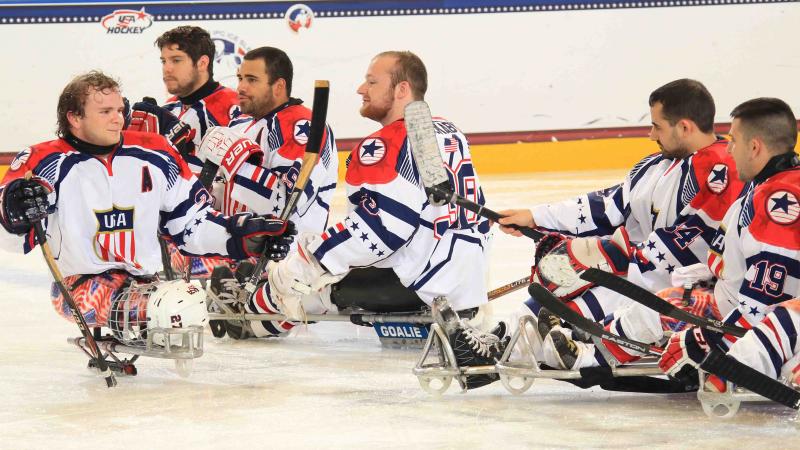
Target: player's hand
{"points": [[685, 351], [520, 217], [252, 236], [229, 150], [24, 202], [147, 116]]}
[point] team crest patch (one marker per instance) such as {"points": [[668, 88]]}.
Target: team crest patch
{"points": [[371, 151], [718, 178], [302, 128], [20, 159], [782, 207]]}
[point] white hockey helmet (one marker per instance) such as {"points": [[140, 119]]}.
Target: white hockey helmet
{"points": [[175, 304]]}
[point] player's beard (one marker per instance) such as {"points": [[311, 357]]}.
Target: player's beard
{"points": [[258, 107], [187, 88], [375, 111], [675, 150]]}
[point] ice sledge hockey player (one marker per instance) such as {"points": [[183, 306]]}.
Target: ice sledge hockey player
{"points": [[394, 251], [103, 194], [274, 132], [663, 216], [756, 254], [187, 69]]}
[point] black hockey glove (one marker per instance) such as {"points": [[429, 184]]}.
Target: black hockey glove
{"points": [[23, 203], [148, 116], [252, 236]]}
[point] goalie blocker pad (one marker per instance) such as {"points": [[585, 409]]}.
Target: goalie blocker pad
{"points": [[376, 290]]}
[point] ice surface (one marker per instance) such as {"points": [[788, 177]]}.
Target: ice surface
{"points": [[332, 385]]}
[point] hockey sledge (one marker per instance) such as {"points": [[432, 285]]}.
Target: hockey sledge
{"points": [[183, 345]]}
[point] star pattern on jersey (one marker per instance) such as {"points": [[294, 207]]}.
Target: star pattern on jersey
{"points": [[371, 151], [661, 256], [753, 311], [783, 207], [651, 245], [782, 203], [719, 174], [670, 268], [198, 221], [302, 129], [717, 180], [582, 218], [364, 236]]}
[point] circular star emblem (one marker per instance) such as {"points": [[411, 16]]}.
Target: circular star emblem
{"points": [[718, 178], [371, 151], [302, 128], [20, 159], [782, 207]]}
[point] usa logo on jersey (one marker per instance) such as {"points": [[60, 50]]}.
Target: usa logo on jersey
{"points": [[371, 151], [718, 178], [782, 207], [115, 240]]}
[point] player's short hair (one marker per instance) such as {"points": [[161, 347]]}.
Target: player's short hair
{"points": [[194, 41], [686, 99], [277, 63], [73, 97], [770, 119], [408, 67]]}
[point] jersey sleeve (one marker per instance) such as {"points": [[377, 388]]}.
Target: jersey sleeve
{"points": [[42, 161], [771, 240], [187, 216], [265, 189], [709, 187], [386, 201], [596, 213]]}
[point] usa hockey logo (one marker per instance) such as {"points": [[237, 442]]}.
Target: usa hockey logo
{"points": [[115, 240], [127, 21], [782, 207], [299, 16], [229, 51], [20, 159], [371, 151], [302, 128], [718, 178]]}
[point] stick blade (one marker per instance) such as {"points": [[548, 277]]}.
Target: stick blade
{"points": [[424, 145]]}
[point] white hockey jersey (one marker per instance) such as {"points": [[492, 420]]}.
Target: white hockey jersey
{"points": [[434, 250], [671, 209], [756, 254], [105, 213], [283, 134]]}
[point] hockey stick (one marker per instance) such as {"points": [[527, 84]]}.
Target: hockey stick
{"points": [[425, 150], [102, 365], [313, 146], [643, 296], [734, 371], [559, 308], [509, 288]]}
